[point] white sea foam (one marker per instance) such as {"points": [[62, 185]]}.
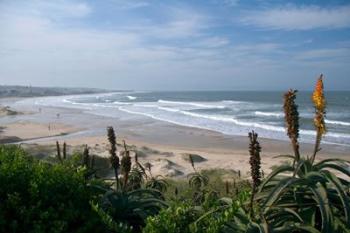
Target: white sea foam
{"points": [[233, 102], [214, 118], [235, 121], [195, 104], [273, 114], [225, 119], [242, 117], [157, 118], [146, 105], [65, 101], [169, 109], [121, 103], [328, 134], [338, 122], [130, 97]]}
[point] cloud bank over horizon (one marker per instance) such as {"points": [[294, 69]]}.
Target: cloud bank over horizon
{"points": [[177, 45]]}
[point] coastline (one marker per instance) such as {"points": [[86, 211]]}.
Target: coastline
{"points": [[162, 143]]}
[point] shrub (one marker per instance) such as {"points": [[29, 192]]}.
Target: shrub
{"points": [[212, 216], [36, 196], [174, 219]]}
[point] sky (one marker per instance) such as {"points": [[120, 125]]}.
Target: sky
{"points": [[175, 44]]}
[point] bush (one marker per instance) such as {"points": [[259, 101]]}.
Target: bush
{"points": [[37, 196], [176, 218], [212, 216]]}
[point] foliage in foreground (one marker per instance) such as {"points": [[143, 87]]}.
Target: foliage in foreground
{"points": [[304, 195], [211, 216], [36, 196]]}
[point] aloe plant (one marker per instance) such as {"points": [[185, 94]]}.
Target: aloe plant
{"points": [[136, 178], [58, 151], [114, 159], [198, 182], [64, 150], [291, 116], [255, 166], [309, 191], [158, 183], [125, 208], [125, 165], [88, 163], [312, 192], [130, 207], [305, 196]]}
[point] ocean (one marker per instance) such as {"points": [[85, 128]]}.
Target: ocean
{"points": [[228, 112]]}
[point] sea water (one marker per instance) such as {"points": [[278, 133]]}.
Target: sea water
{"points": [[228, 112]]}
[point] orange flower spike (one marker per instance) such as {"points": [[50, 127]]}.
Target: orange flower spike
{"points": [[320, 106], [318, 96], [320, 124], [320, 112]]}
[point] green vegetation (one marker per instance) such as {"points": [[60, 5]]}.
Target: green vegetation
{"points": [[36, 196], [67, 193]]}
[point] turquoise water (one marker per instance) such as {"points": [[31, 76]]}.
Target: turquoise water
{"points": [[233, 113]]}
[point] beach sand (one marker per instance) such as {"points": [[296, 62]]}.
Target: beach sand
{"points": [[166, 146], [26, 130]]}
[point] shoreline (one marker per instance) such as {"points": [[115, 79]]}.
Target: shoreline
{"points": [[166, 142]]}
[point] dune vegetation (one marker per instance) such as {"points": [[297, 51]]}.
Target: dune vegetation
{"points": [[66, 193]]}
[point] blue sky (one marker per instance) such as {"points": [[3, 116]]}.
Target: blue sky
{"points": [[175, 45]]}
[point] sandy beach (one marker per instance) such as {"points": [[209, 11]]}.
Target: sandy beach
{"points": [[166, 146]]}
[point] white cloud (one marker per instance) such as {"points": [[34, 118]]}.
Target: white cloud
{"points": [[60, 9], [37, 47], [326, 53], [175, 50], [179, 23], [65, 9], [300, 18]]}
